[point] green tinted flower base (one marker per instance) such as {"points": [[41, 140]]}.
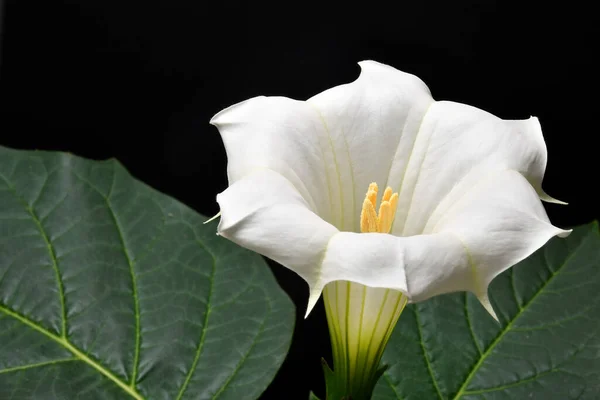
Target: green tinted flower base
{"points": [[338, 386], [361, 320]]}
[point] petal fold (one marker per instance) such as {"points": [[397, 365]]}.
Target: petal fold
{"points": [[498, 223], [265, 213], [285, 136], [456, 147]]}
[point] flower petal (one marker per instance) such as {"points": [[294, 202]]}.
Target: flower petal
{"points": [[383, 127], [372, 125], [265, 213], [285, 136], [392, 262], [469, 186], [386, 127], [492, 227], [499, 222], [457, 146]]}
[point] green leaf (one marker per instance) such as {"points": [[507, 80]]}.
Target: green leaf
{"points": [[546, 346], [312, 396], [111, 290]]}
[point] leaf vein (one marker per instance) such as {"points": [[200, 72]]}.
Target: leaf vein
{"points": [[510, 323], [37, 365], [468, 317], [426, 355], [389, 382], [261, 329], [136, 303], [64, 342], [51, 251], [204, 324]]}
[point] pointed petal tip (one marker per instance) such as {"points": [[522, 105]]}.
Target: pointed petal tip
{"points": [[563, 233], [212, 218], [536, 120], [218, 119], [485, 302], [213, 120], [549, 199], [368, 62], [313, 298], [366, 65]]}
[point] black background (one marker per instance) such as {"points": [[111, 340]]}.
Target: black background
{"points": [[139, 81]]}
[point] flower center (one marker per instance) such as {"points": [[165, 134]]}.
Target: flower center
{"points": [[370, 220]]}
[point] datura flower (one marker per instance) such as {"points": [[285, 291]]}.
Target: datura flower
{"points": [[459, 201]]}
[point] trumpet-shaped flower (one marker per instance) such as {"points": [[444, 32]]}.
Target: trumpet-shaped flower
{"points": [[459, 200]]}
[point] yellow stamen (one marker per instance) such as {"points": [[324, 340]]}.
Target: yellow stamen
{"points": [[368, 217], [370, 221], [372, 194], [385, 217], [394, 203], [387, 194]]}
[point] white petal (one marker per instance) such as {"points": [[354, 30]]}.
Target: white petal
{"points": [[495, 225], [457, 146], [492, 227], [549, 199], [372, 259], [412, 265], [286, 136], [499, 222], [265, 213], [383, 127], [372, 124]]}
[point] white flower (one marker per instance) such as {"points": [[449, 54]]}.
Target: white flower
{"points": [[468, 183], [467, 202]]}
